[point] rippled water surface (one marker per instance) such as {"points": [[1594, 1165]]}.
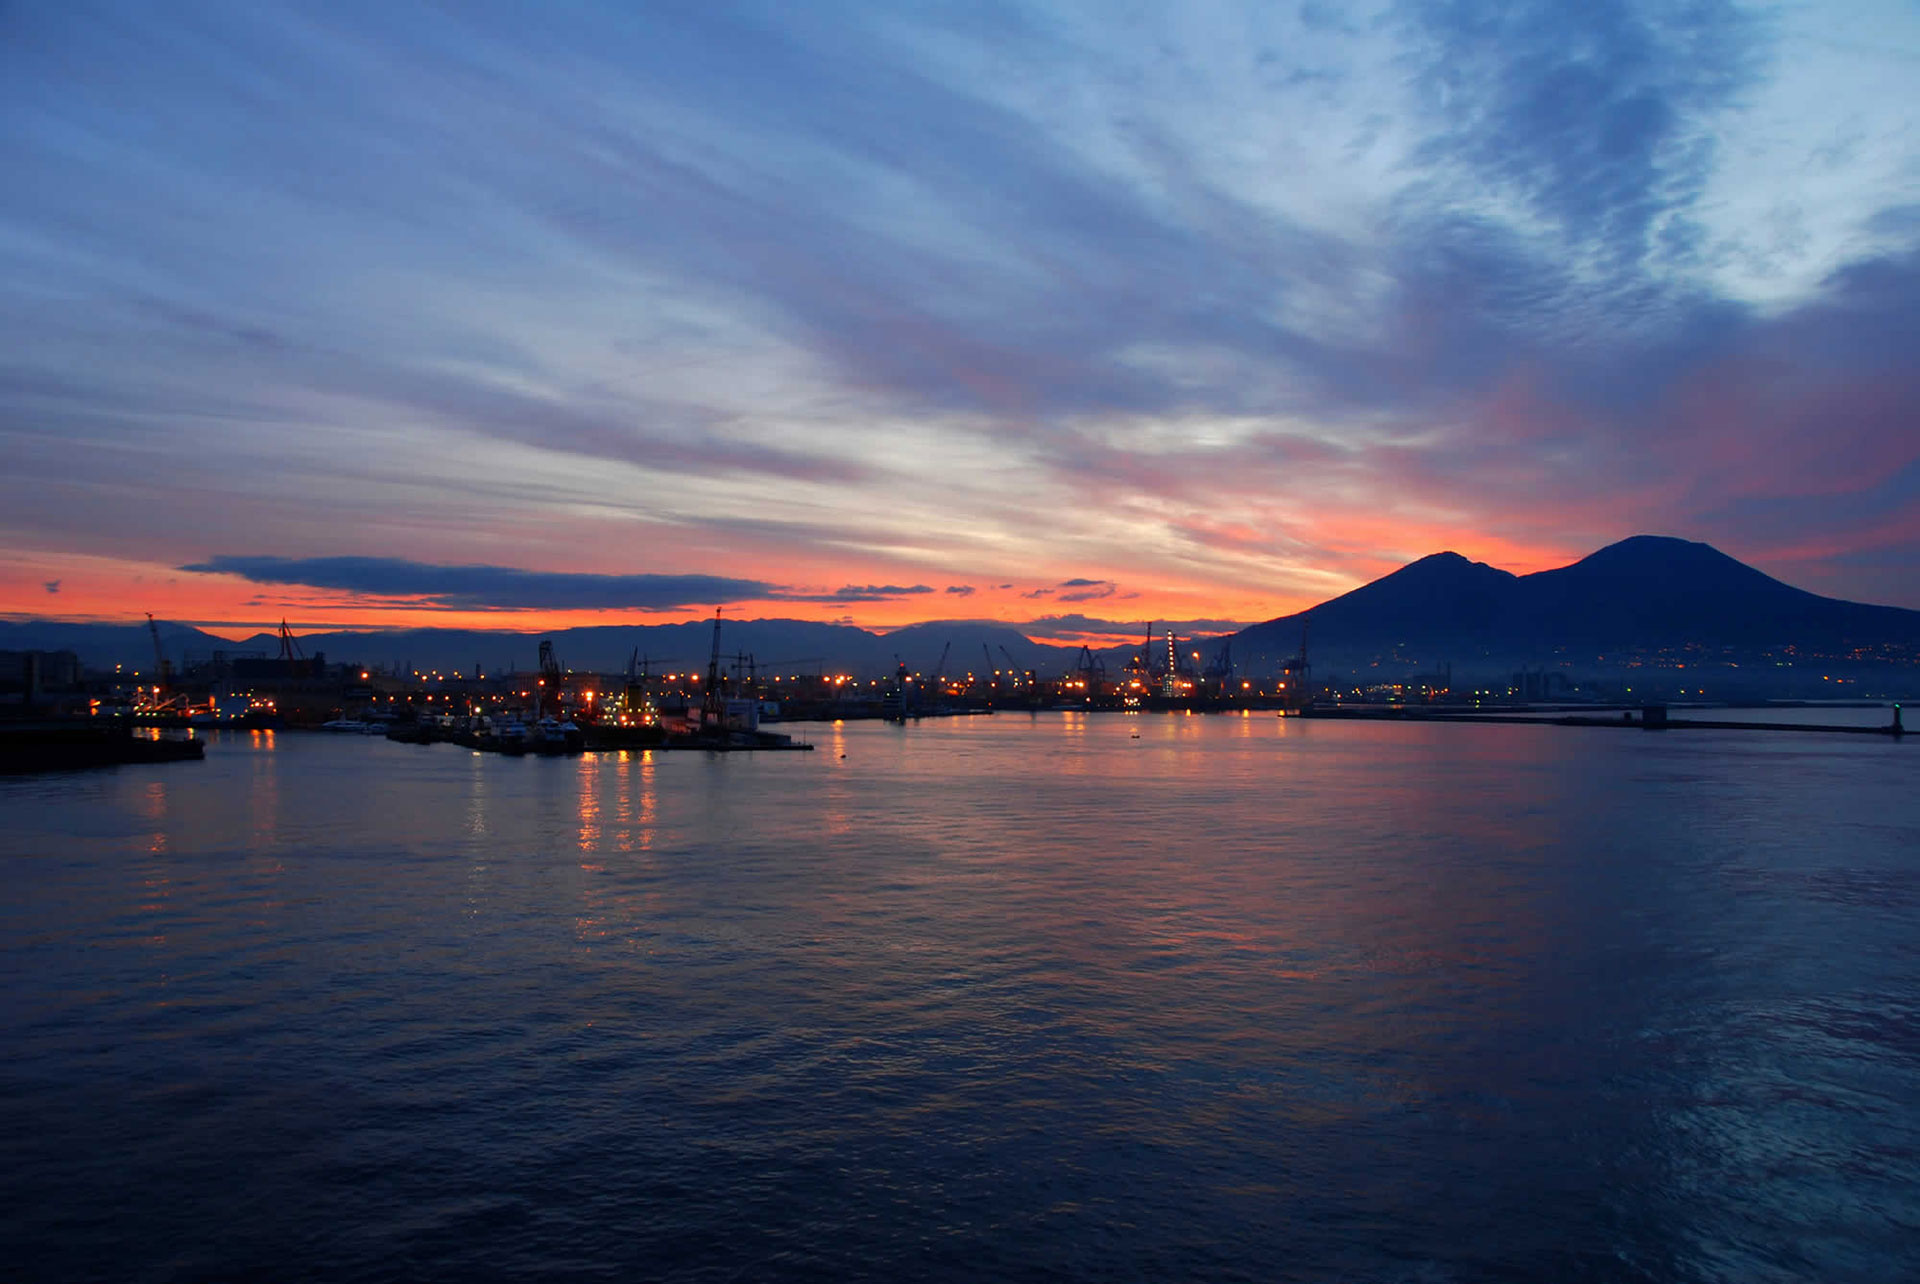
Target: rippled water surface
{"points": [[995, 998]]}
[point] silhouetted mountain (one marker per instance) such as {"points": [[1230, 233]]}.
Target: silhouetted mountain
{"points": [[1652, 591], [1441, 602], [1449, 595], [1642, 594]]}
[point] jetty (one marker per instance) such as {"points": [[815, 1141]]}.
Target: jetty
{"points": [[1651, 717], [69, 744], [598, 738]]}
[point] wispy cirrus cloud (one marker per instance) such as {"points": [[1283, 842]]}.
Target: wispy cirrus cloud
{"points": [[1075, 628], [857, 593], [1262, 301]]}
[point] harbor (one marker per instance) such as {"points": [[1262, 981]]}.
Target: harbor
{"points": [[66, 717]]}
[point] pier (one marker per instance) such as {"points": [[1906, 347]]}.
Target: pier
{"points": [[1639, 718], [73, 744], [600, 738]]}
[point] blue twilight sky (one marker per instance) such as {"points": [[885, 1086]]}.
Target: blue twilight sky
{"points": [[1070, 313]]}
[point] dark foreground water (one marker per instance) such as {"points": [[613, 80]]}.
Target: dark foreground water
{"points": [[1002, 998]]}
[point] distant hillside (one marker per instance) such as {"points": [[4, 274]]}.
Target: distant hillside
{"points": [[102, 646], [1643, 594], [792, 646]]}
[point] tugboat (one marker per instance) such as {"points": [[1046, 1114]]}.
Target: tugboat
{"points": [[895, 704]]}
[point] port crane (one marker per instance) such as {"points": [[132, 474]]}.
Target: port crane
{"points": [[634, 699], [1092, 670], [1296, 674], [710, 706], [162, 669], [1220, 667], [1013, 668], [164, 698], [549, 678]]}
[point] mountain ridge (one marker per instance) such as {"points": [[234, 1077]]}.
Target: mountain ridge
{"points": [[1643, 593], [1647, 592], [781, 645]]}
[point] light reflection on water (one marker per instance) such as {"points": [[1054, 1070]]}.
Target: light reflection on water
{"points": [[999, 997]]}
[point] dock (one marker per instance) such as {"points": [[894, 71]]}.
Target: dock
{"points": [[1644, 718], [598, 738], [76, 744]]}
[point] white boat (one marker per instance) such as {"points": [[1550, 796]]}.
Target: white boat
{"points": [[552, 735], [506, 731]]}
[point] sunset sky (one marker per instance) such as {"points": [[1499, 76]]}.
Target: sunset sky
{"points": [[1070, 316]]}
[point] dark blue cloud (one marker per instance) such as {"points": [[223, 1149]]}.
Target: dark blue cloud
{"points": [[488, 588], [1078, 589], [1100, 589]]}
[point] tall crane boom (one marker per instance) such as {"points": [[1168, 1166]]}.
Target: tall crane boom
{"points": [[162, 671], [1296, 673], [549, 688], [710, 706]]}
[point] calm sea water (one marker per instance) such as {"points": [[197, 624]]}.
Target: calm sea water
{"points": [[998, 998]]}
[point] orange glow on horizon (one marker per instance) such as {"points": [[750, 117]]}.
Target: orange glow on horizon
{"points": [[81, 588]]}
